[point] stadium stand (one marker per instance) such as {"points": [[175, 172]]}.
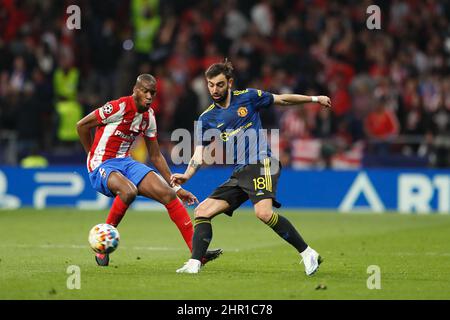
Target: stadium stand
{"points": [[390, 88]]}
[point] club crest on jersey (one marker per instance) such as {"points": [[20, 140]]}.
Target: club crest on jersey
{"points": [[242, 111], [107, 108]]}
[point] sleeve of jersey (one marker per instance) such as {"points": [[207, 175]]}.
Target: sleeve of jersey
{"points": [[151, 132], [200, 128], [109, 113], [261, 99]]}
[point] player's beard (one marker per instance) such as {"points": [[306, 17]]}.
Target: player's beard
{"points": [[222, 98]]}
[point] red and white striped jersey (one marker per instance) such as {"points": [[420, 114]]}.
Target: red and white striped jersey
{"points": [[121, 124]]}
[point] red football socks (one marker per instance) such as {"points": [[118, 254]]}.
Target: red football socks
{"points": [[180, 217], [117, 212], [175, 208]]}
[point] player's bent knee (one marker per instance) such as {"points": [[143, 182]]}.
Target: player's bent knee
{"points": [[128, 195], [263, 215], [168, 196], [201, 211]]}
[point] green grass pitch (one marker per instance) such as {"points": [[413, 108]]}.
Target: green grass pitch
{"points": [[412, 252]]}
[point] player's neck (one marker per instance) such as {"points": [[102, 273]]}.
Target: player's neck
{"points": [[135, 100]]}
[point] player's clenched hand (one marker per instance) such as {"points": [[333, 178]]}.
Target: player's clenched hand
{"points": [[187, 197], [178, 178], [325, 101]]}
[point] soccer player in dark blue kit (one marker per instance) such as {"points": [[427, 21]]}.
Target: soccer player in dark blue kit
{"points": [[234, 115]]}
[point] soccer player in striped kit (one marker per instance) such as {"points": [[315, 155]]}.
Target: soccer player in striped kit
{"points": [[115, 174]]}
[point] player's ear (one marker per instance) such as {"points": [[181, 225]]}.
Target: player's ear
{"points": [[230, 82]]}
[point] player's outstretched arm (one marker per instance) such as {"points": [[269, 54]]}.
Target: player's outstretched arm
{"points": [[194, 164], [160, 163], [157, 159], [84, 127], [296, 99]]}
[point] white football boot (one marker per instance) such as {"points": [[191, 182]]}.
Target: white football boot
{"points": [[192, 266], [311, 259]]}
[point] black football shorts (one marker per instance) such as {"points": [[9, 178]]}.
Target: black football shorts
{"points": [[253, 181]]}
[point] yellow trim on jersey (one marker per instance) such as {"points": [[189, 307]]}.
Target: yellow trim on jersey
{"points": [[259, 93], [212, 106], [239, 92]]}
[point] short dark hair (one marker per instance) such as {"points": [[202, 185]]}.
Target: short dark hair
{"points": [[225, 68], [146, 77]]}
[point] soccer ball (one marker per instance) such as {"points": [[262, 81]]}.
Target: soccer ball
{"points": [[104, 238]]}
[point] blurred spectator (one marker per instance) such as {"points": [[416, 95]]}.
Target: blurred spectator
{"points": [[183, 116], [325, 130], [236, 23], [439, 131], [66, 82], [381, 126], [146, 22], [18, 75], [340, 97], [324, 124], [33, 160], [262, 17]]}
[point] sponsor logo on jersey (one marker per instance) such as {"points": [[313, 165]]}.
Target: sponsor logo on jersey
{"points": [[124, 136], [239, 92], [226, 135]]}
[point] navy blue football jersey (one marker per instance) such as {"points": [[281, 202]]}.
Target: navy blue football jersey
{"points": [[238, 127]]}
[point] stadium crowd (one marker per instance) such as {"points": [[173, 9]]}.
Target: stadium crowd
{"points": [[390, 87]]}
